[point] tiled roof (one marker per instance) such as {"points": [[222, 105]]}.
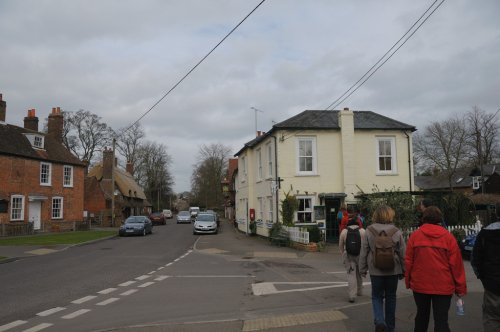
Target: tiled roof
{"points": [[13, 142], [322, 119]]}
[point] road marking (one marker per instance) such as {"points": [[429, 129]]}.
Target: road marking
{"points": [[266, 288], [177, 259], [292, 320], [152, 272], [108, 301], [12, 325], [84, 299], [340, 272], [130, 291], [160, 268], [39, 327], [128, 283], [169, 264], [146, 284], [215, 276], [107, 291], [76, 314], [50, 311], [143, 277], [161, 278]]}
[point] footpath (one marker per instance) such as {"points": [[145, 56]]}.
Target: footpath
{"points": [[349, 317]]}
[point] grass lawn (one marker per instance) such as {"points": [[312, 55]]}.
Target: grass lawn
{"points": [[56, 238]]}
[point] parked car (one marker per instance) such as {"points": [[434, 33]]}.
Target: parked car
{"points": [[136, 225], [216, 216], [205, 223], [168, 214], [183, 217], [467, 244], [157, 218]]}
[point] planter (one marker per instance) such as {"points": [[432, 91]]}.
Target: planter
{"points": [[310, 247]]}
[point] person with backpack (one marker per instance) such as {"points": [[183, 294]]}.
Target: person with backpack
{"points": [[434, 270], [382, 254], [350, 247]]}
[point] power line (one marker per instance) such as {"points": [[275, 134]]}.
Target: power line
{"points": [[195, 66], [378, 64]]}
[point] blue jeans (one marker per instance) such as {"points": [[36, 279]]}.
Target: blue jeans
{"points": [[384, 288]]}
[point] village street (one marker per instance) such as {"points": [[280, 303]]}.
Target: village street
{"points": [[175, 281]]}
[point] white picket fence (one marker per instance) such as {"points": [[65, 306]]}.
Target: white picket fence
{"points": [[468, 229], [298, 234]]}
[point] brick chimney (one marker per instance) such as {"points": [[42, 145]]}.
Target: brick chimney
{"points": [[55, 124], [31, 121], [107, 163], [3, 109], [129, 168]]}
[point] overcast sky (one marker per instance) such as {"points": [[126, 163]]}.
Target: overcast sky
{"points": [[116, 58]]}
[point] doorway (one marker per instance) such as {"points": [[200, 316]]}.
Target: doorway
{"points": [[35, 212], [332, 206]]}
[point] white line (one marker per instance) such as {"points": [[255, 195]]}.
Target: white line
{"points": [[107, 291], [130, 291], [160, 268], [84, 299], [146, 284], [39, 327], [76, 314], [12, 325], [50, 311], [108, 301], [152, 272], [169, 264], [215, 276], [142, 277], [177, 259], [128, 283], [161, 278], [336, 272]]}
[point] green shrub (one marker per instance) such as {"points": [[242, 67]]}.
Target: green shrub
{"points": [[314, 233], [459, 234]]}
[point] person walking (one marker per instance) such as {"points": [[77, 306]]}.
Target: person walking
{"points": [[485, 262], [382, 255], [342, 217], [434, 271], [350, 247]]}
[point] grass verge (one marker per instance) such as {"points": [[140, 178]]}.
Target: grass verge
{"points": [[56, 238]]}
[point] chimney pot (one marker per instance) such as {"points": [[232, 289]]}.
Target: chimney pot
{"points": [[346, 108], [56, 124], [3, 109]]}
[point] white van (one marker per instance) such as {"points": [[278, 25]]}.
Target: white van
{"points": [[193, 210]]}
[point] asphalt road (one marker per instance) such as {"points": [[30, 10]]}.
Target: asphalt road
{"points": [[174, 281]]}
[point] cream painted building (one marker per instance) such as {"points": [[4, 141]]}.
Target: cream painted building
{"points": [[324, 158]]}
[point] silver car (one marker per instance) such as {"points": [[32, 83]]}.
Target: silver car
{"points": [[184, 217], [205, 223]]}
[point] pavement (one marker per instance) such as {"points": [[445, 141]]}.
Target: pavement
{"points": [[346, 317]]}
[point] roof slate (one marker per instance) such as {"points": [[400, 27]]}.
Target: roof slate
{"points": [[14, 142], [124, 180]]}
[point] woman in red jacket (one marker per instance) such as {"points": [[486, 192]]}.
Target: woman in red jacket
{"points": [[434, 271]]}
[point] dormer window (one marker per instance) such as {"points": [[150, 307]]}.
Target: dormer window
{"points": [[476, 180], [36, 141]]}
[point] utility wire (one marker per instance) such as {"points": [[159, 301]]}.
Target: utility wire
{"points": [[378, 64], [195, 66]]}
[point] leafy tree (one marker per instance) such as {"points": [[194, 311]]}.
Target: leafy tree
{"points": [[289, 205]]}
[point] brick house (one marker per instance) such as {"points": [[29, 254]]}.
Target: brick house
{"points": [[41, 182], [129, 197]]}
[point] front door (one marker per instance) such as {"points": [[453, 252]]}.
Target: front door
{"points": [[35, 212], [332, 226]]}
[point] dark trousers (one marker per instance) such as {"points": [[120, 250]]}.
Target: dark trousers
{"points": [[440, 307]]}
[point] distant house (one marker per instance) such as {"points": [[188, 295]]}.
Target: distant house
{"points": [[323, 158], [229, 189], [129, 197], [41, 182]]}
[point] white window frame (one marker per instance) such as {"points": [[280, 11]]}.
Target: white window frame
{"points": [[14, 207], [48, 176], [270, 212], [476, 182], [38, 141], [244, 168], [392, 155], [269, 161], [306, 210], [261, 208], [313, 155], [57, 213], [259, 165], [67, 176]]}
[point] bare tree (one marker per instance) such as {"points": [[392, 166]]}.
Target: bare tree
{"points": [[483, 136], [153, 173], [128, 142], [443, 146], [208, 174], [84, 134]]}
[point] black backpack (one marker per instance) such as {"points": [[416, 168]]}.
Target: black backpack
{"points": [[353, 241]]}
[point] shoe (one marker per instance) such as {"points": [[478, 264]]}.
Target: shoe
{"points": [[380, 327], [351, 299]]}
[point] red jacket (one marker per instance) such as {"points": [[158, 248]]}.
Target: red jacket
{"points": [[433, 262]]}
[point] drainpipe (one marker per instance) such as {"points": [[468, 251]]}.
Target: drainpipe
{"points": [[276, 178], [409, 156]]}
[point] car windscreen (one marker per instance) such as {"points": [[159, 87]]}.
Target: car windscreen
{"points": [[184, 213], [136, 220], [205, 217]]}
